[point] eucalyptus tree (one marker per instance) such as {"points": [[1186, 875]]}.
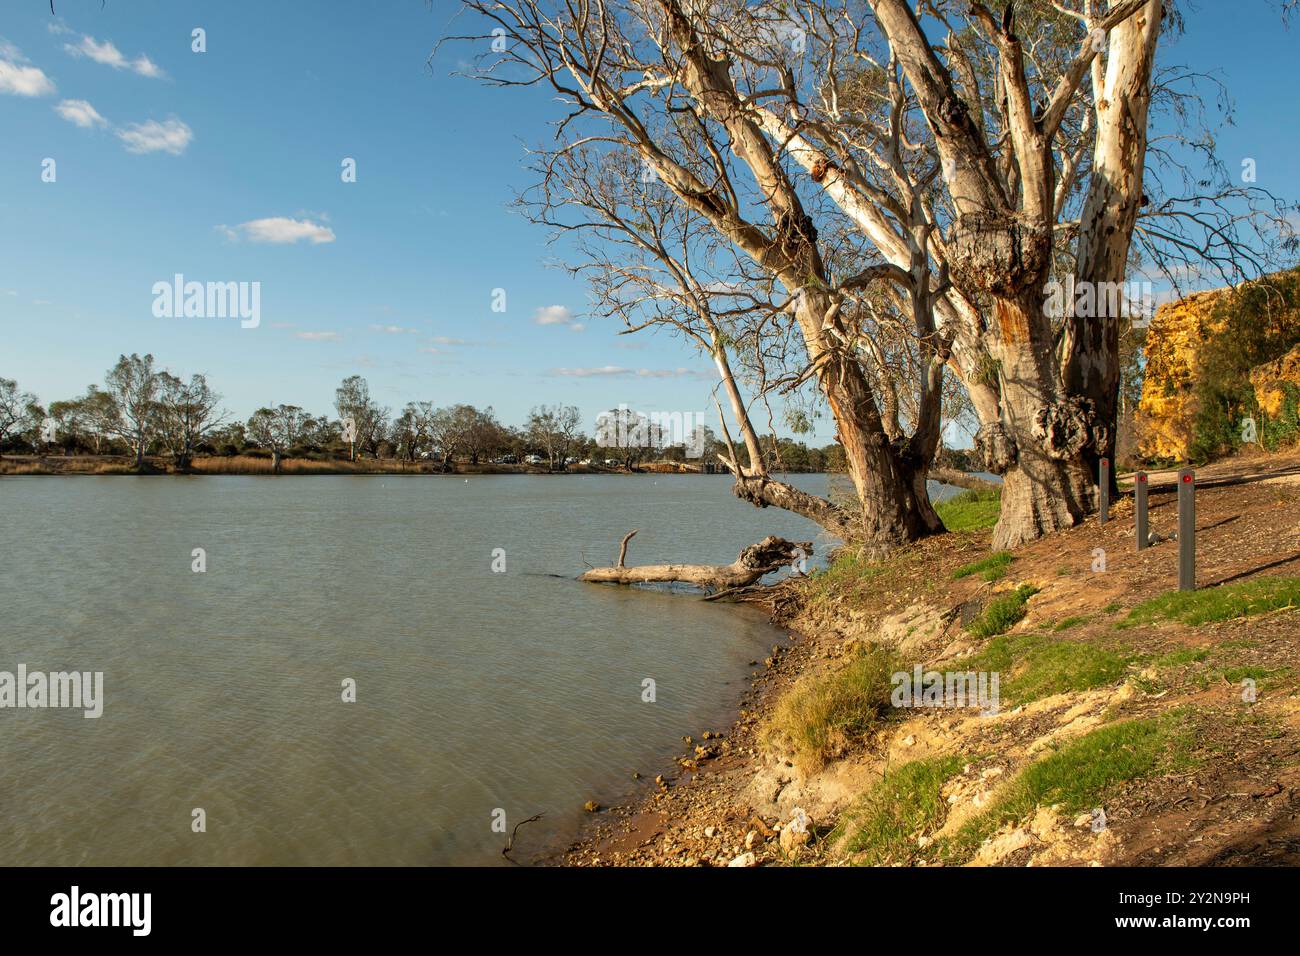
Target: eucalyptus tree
{"points": [[18, 411], [643, 76], [279, 429], [556, 430], [134, 385], [976, 155], [187, 412]]}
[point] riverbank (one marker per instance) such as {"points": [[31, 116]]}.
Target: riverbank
{"points": [[1136, 725], [27, 465]]}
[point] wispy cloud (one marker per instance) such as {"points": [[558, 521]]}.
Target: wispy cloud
{"points": [[279, 230], [169, 136], [18, 77], [109, 55], [80, 113], [393, 330], [591, 372], [318, 336], [618, 371], [557, 315]]}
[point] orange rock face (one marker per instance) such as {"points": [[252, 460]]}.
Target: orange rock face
{"points": [[1169, 401], [1270, 378]]}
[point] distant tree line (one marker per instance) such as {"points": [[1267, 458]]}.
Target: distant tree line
{"points": [[144, 412]]}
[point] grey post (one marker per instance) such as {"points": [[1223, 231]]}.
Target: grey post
{"points": [[1140, 509], [1186, 530], [1103, 486]]}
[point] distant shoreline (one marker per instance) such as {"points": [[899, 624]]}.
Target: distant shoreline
{"points": [[256, 466], [18, 466]]}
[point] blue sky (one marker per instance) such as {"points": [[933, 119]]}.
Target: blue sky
{"points": [[183, 149]]}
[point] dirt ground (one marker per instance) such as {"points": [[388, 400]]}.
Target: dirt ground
{"points": [[1238, 804]]}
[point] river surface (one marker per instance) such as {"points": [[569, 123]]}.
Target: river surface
{"points": [[482, 697]]}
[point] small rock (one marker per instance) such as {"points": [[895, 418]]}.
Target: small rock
{"points": [[710, 832], [591, 806], [750, 837], [792, 840], [745, 859]]}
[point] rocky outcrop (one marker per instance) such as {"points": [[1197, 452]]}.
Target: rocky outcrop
{"points": [[1270, 380], [1169, 400]]}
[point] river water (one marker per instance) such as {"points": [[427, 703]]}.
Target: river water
{"points": [[481, 696]]}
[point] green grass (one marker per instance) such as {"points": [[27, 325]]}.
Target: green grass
{"points": [[1181, 657], [971, 510], [906, 801], [1066, 623], [1002, 612], [824, 713], [991, 568], [1033, 666], [1224, 603], [1082, 775]]}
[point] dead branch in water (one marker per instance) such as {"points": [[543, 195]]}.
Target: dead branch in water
{"points": [[510, 844], [759, 559]]}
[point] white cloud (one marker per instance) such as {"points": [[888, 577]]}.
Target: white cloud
{"points": [[445, 340], [80, 113], [619, 370], [393, 330], [318, 336], [553, 315], [170, 136], [19, 79], [109, 55], [589, 372], [278, 229]]}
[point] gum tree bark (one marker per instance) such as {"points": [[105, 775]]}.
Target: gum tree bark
{"points": [[1000, 251], [1121, 95]]}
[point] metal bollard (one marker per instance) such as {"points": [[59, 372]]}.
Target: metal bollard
{"points": [[1140, 509], [1186, 530], [1103, 486]]}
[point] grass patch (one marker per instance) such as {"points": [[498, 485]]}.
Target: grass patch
{"points": [[1033, 666], [824, 713], [971, 510], [906, 801], [1003, 612], [991, 568], [1224, 603], [1066, 623], [1082, 774], [1181, 657]]}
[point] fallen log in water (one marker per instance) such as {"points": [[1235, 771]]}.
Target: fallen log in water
{"points": [[768, 555]]}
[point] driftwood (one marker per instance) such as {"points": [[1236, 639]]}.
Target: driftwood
{"points": [[755, 561]]}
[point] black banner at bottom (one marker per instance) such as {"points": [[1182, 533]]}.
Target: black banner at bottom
{"points": [[523, 905]]}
